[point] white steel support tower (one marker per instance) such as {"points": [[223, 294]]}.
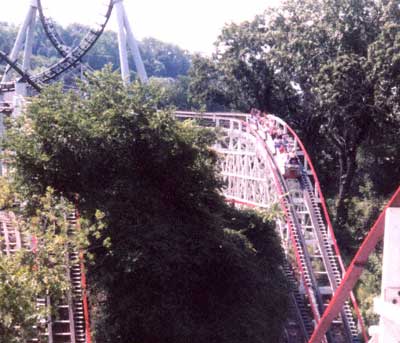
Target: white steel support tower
{"points": [[127, 39], [24, 40]]}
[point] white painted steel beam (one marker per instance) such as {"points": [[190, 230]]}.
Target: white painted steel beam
{"points": [[133, 46], [21, 36], [126, 39], [388, 306], [122, 43], [26, 64]]}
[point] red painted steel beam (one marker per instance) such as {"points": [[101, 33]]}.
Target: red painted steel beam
{"points": [[353, 272]]}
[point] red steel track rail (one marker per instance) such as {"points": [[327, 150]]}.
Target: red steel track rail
{"points": [[329, 225]]}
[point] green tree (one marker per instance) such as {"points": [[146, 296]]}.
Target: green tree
{"points": [[8, 33], [239, 75], [370, 288], [173, 92], [171, 264], [206, 87], [164, 59], [326, 48]]}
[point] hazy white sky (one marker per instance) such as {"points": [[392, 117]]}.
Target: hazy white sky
{"points": [[192, 24]]}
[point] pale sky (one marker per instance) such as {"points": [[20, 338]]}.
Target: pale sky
{"points": [[192, 24]]}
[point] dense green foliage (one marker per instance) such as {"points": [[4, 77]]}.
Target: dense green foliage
{"points": [[174, 263]]}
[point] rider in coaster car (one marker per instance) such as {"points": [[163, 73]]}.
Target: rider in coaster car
{"points": [[292, 158], [277, 144]]}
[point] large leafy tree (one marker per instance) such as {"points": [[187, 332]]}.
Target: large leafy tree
{"points": [[239, 76], [207, 89], [325, 47], [164, 59], [174, 263]]}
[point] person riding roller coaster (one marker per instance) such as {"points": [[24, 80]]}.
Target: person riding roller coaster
{"points": [[292, 166]]}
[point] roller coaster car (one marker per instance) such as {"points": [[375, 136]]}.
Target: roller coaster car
{"points": [[5, 107], [292, 169]]}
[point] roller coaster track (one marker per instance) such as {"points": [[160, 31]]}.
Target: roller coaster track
{"points": [[52, 33], [70, 56], [70, 322], [253, 173]]}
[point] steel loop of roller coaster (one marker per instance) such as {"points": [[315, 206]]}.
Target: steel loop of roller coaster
{"points": [[52, 33], [54, 37], [70, 56], [307, 220]]}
